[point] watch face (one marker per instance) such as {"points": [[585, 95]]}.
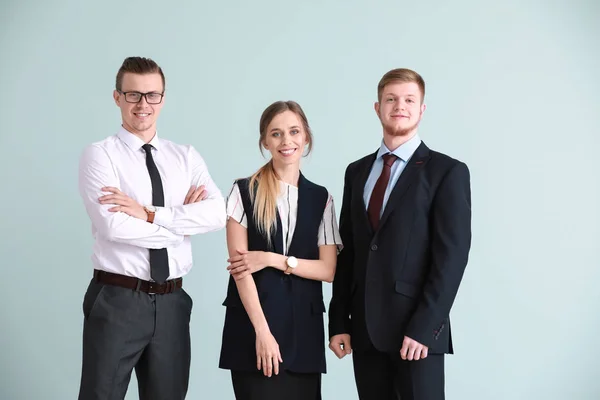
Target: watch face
{"points": [[151, 209], [292, 262]]}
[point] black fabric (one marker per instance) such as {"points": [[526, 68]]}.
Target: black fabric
{"points": [[287, 385], [159, 258]]}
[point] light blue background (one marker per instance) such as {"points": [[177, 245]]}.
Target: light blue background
{"points": [[512, 90]]}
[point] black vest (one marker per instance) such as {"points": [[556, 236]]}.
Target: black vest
{"points": [[293, 306]]}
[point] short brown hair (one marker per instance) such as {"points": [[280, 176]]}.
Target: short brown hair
{"points": [[138, 65], [401, 75]]}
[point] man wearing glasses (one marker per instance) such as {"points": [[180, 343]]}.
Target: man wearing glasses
{"points": [[145, 197]]}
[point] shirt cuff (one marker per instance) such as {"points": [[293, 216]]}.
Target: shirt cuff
{"points": [[163, 217]]}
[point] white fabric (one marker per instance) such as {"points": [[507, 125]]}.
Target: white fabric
{"points": [[122, 242]]}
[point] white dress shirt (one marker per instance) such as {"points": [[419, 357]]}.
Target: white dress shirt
{"points": [[121, 241], [287, 205]]}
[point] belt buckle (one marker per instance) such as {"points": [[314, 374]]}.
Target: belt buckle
{"points": [[151, 287]]}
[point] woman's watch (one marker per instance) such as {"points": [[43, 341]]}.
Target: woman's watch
{"points": [[291, 262]]}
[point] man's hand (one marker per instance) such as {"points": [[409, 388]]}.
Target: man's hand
{"points": [[412, 350], [195, 195], [340, 345], [123, 203]]}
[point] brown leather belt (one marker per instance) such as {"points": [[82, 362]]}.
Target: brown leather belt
{"points": [[132, 283]]}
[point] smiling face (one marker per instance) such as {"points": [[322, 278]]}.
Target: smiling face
{"points": [[140, 118], [400, 108], [285, 138]]}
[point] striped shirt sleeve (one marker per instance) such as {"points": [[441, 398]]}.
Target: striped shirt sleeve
{"points": [[235, 207], [329, 233]]}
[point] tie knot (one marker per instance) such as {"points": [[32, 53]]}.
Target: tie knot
{"points": [[147, 148], [389, 159]]}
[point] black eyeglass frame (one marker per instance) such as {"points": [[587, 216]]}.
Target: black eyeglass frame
{"points": [[143, 95]]}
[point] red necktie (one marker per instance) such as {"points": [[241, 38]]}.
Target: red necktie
{"points": [[376, 201]]}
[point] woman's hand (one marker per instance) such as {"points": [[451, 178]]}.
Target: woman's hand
{"points": [[246, 263], [268, 356]]}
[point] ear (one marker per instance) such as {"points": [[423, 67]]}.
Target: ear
{"points": [[376, 107], [116, 96], [423, 107]]}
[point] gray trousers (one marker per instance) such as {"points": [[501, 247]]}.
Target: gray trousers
{"points": [[126, 329]]}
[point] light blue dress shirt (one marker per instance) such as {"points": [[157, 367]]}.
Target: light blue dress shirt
{"points": [[404, 153]]}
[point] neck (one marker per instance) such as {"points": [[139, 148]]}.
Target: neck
{"points": [[288, 173], [392, 142], [146, 135]]}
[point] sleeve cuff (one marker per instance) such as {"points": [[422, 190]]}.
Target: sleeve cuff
{"points": [[163, 217]]}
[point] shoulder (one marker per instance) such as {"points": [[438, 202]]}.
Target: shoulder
{"points": [[361, 162], [99, 149], [317, 191], [358, 165], [241, 186], [443, 166], [181, 149], [445, 162], [312, 185], [242, 182]]}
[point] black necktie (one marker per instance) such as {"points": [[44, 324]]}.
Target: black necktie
{"points": [[159, 259]]}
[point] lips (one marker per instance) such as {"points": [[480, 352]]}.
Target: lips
{"points": [[141, 115], [287, 152]]}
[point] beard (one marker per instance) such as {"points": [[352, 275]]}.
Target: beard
{"points": [[395, 130]]}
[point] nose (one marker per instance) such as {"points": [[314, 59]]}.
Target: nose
{"points": [[142, 102], [287, 138]]}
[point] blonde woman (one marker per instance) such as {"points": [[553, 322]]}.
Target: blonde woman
{"points": [[283, 241]]}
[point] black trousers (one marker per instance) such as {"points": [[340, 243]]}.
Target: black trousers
{"points": [[126, 329], [285, 386], [385, 376]]}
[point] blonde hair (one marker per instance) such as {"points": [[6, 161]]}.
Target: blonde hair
{"points": [[264, 183], [401, 75]]}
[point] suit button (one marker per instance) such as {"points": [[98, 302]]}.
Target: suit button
{"points": [[374, 247]]}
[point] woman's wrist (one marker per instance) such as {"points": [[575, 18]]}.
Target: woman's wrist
{"points": [[277, 261], [262, 328]]}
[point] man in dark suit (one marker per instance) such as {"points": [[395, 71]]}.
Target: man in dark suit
{"points": [[406, 226]]}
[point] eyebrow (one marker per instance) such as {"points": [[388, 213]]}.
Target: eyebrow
{"points": [[139, 91], [277, 129], [394, 95]]}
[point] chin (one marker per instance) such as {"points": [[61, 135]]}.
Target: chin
{"points": [[399, 131]]}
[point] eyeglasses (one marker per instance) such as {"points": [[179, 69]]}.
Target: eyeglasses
{"points": [[136, 97]]}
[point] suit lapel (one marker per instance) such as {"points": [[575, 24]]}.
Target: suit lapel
{"points": [[359, 190], [416, 163]]}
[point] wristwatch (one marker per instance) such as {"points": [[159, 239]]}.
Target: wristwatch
{"points": [[151, 211], [292, 262]]}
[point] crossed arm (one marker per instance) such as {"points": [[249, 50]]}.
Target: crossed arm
{"points": [[119, 218]]}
